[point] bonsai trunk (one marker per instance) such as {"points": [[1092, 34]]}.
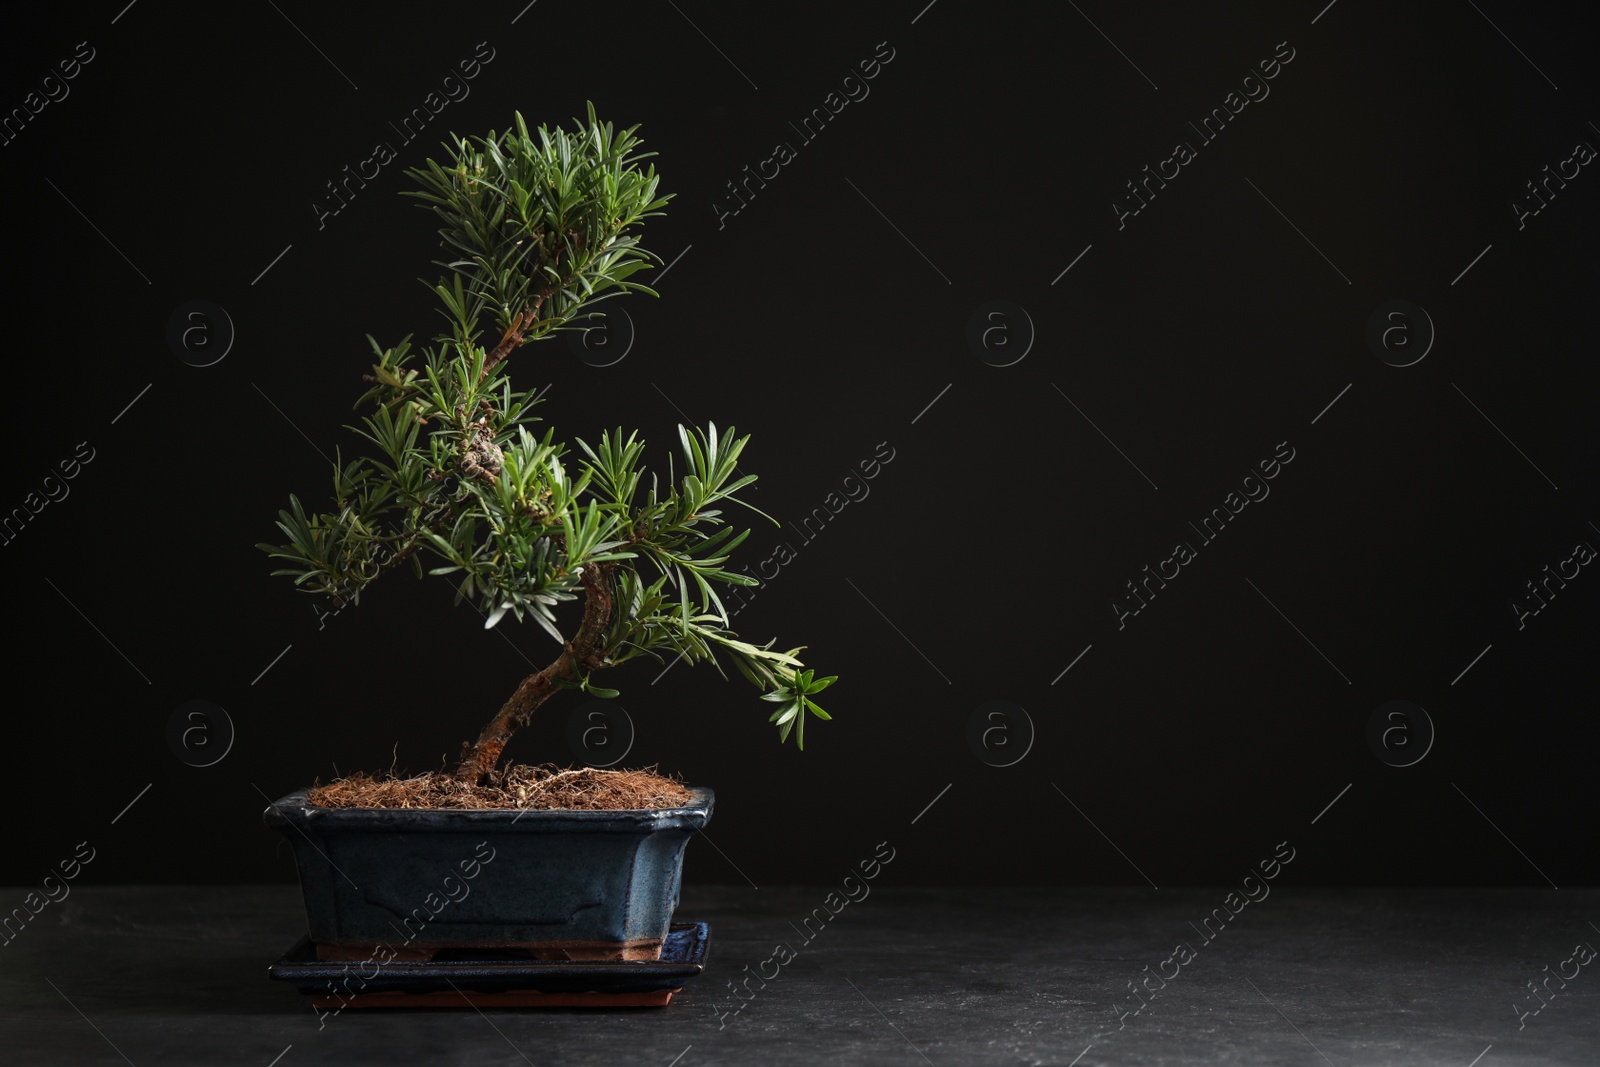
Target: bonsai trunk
{"points": [[582, 653]]}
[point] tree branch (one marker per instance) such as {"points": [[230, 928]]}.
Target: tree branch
{"points": [[513, 337]]}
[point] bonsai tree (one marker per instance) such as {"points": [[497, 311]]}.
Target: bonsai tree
{"points": [[537, 231]]}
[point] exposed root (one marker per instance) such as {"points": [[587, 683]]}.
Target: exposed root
{"points": [[519, 786]]}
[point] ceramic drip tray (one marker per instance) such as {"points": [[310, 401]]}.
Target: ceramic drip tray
{"points": [[484, 978]]}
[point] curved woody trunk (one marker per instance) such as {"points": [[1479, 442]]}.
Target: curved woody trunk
{"points": [[584, 652]]}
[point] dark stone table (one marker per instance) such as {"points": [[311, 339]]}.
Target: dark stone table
{"points": [[177, 975]]}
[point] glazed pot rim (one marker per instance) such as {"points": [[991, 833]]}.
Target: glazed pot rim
{"points": [[293, 809]]}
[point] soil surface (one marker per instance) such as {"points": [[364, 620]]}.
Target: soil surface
{"points": [[518, 786]]}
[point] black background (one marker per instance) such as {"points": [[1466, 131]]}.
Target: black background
{"points": [[1196, 338]]}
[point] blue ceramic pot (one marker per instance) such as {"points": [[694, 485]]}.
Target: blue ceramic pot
{"points": [[396, 883]]}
